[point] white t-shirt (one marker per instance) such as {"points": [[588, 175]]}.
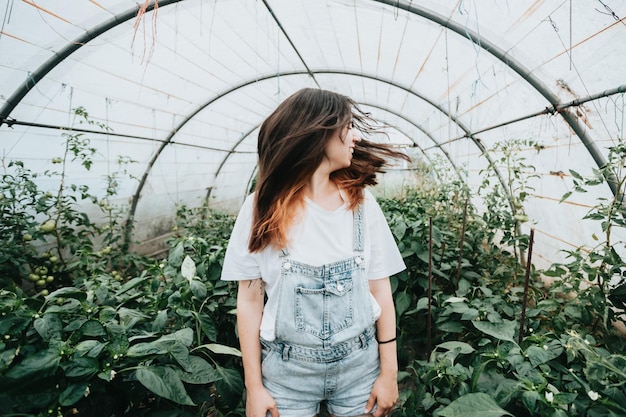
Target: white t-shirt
{"points": [[319, 237]]}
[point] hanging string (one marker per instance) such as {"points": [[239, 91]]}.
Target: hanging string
{"points": [[476, 45], [448, 88], [278, 64], [69, 114], [106, 135], [579, 112], [618, 114], [44, 108], [571, 29], [7, 16], [141, 17], [609, 12]]}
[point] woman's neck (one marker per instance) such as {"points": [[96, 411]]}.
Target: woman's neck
{"points": [[324, 192]]}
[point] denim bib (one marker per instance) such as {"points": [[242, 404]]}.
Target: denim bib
{"points": [[324, 311]]}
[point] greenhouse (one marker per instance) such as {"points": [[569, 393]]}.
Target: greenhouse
{"points": [[129, 143]]}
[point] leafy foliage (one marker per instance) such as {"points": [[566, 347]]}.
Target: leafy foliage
{"points": [[117, 334], [90, 328], [47, 240], [480, 363]]}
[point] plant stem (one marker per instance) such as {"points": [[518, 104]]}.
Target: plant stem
{"points": [[430, 286], [526, 285], [458, 267]]}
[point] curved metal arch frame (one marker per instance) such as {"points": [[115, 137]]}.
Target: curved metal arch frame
{"points": [[483, 43], [168, 140], [502, 55], [464, 128], [464, 32], [68, 50]]}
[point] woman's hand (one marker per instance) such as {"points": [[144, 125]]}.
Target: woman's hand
{"points": [[249, 312], [384, 395], [259, 402], [385, 391]]}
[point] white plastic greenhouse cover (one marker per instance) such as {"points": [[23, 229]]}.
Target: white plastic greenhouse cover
{"points": [[185, 87]]}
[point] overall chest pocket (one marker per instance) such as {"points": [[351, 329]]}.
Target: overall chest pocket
{"points": [[325, 311]]}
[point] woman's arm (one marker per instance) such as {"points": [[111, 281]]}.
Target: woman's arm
{"points": [[385, 391], [250, 298]]}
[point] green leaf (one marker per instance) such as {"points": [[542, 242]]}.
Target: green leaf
{"points": [[184, 336], [530, 398], [565, 196], [402, 301], [131, 284], [81, 367], [68, 292], [175, 344], [399, 229], [49, 327], [198, 289], [476, 404], [176, 254], [90, 348], [129, 317], [575, 174], [450, 327], [164, 382], [502, 331], [220, 349], [38, 365], [181, 354], [92, 328], [229, 386], [462, 347], [13, 324], [159, 321], [209, 327], [72, 393], [538, 355], [188, 269], [199, 372], [75, 324], [6, 358]]}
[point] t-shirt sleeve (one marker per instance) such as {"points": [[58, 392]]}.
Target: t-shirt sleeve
{"points": [[239, 263], [386, 259]]}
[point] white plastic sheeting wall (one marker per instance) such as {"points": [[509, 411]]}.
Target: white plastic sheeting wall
{"points": [[185, 87]]}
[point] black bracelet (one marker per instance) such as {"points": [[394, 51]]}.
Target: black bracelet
{"points": [[386, 341]]}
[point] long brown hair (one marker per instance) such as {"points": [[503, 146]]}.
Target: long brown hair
{"points": [[291, 147]]}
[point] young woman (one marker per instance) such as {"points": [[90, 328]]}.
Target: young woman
{"points": [[313, 254]]}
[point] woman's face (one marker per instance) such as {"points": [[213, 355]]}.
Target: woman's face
{"points": [[340, 147]]}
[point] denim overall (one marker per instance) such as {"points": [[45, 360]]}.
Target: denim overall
{"points": [[324, 323]]}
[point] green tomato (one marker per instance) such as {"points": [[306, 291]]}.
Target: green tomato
{"points": [[49, 226], [53, 259], [27, 237], [40, 283], [521, 218]]}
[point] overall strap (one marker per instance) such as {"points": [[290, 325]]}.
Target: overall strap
{"points": [[357, 241]]}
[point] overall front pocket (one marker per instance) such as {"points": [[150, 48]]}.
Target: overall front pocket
{"points": [[325, 311]]}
